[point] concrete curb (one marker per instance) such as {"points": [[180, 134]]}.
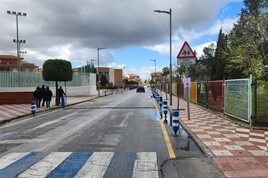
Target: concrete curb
{"points": [[199, 143]]}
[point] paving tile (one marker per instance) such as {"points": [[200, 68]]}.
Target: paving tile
{"points": [[222, 139], [222, 153], [227, 143], [213, 132], [213, 147], [259, 153], [240, 153], [203, 136], [207, 139], [243, 143], [212, 143], [251, 147], [233, 147]]}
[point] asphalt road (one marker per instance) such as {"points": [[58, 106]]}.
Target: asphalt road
{"points": [[120, 134]]}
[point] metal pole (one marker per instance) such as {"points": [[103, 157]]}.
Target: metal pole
{"points": [[98, 73], [187, 92], [170, 55], [18, 54]]}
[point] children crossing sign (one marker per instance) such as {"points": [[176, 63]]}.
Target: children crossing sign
{"points": [[186, 55]]}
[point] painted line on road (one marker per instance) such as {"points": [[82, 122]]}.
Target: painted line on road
{"points": [[53, 122], [28, 119], [166, 137], [145, 165], [96, 165], [46, 165]]}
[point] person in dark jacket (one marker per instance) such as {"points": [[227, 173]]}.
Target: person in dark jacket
{"points": [[37, 96], [61, 93], [47, 96]]}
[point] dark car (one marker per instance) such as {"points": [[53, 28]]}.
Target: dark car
{"points": [[140, 89]]}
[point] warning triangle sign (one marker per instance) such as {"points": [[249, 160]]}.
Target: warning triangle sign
{"points": [[186, 52]]}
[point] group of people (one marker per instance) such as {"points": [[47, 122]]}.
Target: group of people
{"points": [[44, 94]]}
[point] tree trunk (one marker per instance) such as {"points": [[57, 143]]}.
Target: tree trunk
{"points": [[57, 95]]}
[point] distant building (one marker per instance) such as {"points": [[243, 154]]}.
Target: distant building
{"points": [[114, 76], [156, 75], [134, 77], [9, 63]]}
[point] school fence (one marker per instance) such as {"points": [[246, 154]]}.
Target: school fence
{"points": [[237, 99], [260, 101], [27, 79]]}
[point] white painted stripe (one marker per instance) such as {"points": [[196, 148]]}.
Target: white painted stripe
{"points": [[96, 165], [18, 141], [46, 165], [145, 165], [53, 122], [10, 158], [175, 124]]}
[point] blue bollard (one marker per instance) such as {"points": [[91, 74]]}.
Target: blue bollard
{"points": [[165, 108], [160, 105], [62, 102], [33, 106], [175, 121]]}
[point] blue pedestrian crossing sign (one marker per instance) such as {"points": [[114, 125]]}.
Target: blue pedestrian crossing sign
{"points": [[186, 55]]}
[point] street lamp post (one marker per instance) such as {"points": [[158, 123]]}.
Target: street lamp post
{"points": [[91, 62], [17, 14], [98, 73], [22, 52], [170, 46]]}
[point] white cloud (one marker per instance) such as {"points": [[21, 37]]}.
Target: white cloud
{"points": [[192, 35]]}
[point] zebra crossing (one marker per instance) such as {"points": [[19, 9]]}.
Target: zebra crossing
{"points": [[79, 164]]}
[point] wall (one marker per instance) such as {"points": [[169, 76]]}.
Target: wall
{"points": [[16, 97]]}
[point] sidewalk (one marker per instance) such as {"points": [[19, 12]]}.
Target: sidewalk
{"points": [[237, 151], [13, 111]]}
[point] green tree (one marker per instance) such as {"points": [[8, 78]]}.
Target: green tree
{"points": [[246, 52], [204, 69], [254, 7], [57, 70], [103, 80], [165, 72], [220, 63], [90, 69]]}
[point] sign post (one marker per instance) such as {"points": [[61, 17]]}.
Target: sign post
{"points": [[186, 57]]}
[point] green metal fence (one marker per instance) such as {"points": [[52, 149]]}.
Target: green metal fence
{"points": [[260, 101], [202, 94], [237, 99], [27, 79]]}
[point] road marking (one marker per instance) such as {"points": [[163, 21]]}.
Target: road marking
{"points": [[124, 122], [56, 140], [166, 137], [79, 164], [18, 141], [10, 158], [46, 165], [145, 165], [53, 122], [28, 119], [96, 165]]}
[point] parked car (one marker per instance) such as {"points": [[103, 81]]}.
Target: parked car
{"points": [[140, 89]]}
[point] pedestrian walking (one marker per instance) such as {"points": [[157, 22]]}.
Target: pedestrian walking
{"points": [[61, 93], [42, 90], [47, 97], [37, 96]]}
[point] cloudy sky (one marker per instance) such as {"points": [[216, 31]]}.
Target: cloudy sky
{"points": [[129, 30]]}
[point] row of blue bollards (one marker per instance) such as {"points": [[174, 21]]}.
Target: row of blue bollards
{"points": [[163, 107]]}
